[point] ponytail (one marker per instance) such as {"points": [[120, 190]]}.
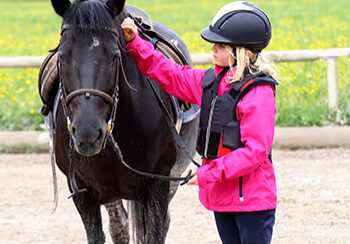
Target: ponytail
{"points": [[243, 61]]}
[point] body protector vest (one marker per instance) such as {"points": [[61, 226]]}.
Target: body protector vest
{"points": [[219, 129]]}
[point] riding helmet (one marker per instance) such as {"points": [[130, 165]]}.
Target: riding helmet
{"points": [[240, 24]]}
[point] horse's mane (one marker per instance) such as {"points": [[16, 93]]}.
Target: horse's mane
{"points": [[92, 14]]}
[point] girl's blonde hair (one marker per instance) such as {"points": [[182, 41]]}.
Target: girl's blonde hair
{"points": [[243, 61]]}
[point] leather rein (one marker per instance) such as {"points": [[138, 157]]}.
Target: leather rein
{"points": [[112, 100]]}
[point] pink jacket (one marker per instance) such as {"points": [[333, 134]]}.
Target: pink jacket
{"points": [[219, 179]]}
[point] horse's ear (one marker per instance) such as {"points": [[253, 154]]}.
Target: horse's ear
{"points": [[60, 6], [115, 7]]}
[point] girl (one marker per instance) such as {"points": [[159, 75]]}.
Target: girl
{"points": [[237, 179]]}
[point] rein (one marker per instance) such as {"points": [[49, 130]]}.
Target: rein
{"points": [[113, 102], [117, 150]]}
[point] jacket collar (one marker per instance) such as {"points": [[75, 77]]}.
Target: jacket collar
{"points": [[218, 69]]}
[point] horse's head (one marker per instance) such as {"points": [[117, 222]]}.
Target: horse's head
{"points": [[89, 62]]}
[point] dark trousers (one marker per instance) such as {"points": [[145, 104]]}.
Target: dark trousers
{"points": [[245, 227]]}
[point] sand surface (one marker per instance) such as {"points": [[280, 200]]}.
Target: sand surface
{"points": [[313, 202]]}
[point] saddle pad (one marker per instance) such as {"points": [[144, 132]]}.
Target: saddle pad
{"points": [[191, 114], [186, 115], [54, 113]]}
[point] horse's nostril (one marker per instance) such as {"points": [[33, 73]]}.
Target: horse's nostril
{"points": [[73, 130], [100, 133]]}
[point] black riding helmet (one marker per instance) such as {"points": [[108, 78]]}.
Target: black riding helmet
{"points": [[240, 24]]}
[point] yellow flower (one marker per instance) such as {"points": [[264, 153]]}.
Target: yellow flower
{"points": [[13, 98]]}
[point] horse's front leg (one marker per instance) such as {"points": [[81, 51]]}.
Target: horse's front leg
{"points": [[90, 213], [118, 222], [156, 212]]}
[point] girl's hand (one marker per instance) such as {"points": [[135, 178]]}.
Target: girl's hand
{"points": [[129, 29], [194, 180]]}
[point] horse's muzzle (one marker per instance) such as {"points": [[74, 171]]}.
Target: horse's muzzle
{"points": [[88, 143]]}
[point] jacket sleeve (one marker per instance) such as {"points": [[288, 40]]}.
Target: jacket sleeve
{"points": [[182, 82], [257, 113]]}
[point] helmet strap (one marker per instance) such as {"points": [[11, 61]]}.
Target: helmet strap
{"points": [[255, 56], [234, 50]]}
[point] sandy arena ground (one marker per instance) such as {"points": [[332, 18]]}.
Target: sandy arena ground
{"points": [[313, 202]]}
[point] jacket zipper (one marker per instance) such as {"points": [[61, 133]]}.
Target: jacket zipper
{"points": [[207, 136], [241, 198], [241, 189]]}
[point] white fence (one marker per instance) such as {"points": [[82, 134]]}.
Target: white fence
{"points": [[330, 55]]}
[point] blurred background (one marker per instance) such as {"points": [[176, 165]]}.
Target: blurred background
{"points": [[31, 28]]}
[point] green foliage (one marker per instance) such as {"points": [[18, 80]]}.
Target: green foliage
{"points": [[31, 28], [22, 148]]}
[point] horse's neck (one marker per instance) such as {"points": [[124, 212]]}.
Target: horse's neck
{"points": [[140, 97]]}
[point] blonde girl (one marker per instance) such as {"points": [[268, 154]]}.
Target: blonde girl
{"points": [[236, 96]]}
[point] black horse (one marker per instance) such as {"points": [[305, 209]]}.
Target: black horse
{"points": [[102, 90]]}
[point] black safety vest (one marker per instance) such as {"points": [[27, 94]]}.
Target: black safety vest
{"points": [[219, 129]]}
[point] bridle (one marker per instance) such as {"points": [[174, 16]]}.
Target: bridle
{"points": [[111, 99]]}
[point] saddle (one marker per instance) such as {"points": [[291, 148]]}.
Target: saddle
{"points": [[48, 80], [158, 35]]}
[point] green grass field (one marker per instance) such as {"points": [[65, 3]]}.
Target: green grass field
{"points": [[31, 28]]}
